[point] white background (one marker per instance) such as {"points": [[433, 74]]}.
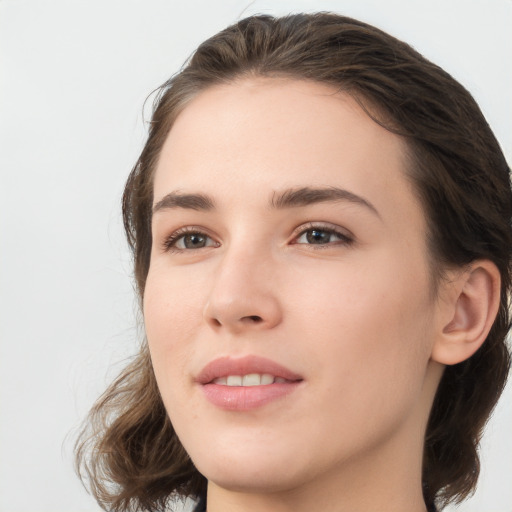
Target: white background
{"points": [[73, 78]]}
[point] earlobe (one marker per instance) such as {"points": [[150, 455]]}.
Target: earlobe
{"points": [[472, 309]]}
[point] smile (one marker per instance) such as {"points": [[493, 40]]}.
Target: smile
{"points": [[252, 379], [246, 383]]}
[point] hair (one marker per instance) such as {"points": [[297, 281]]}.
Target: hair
{"points": [[128, 451]]}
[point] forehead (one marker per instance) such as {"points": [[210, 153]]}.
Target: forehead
{"points": [[261, 134]]}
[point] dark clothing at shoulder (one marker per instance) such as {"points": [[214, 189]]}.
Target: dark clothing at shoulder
{"points": [[201, 504]]}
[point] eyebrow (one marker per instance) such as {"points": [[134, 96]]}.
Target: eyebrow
{"points": [[188, 201], [290, 198], [305, 196]]}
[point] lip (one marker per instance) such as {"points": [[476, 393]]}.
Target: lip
{"points": [[238, 398], [224, 366]]}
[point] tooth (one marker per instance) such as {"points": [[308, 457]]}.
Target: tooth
{"points": [[221, 380], [279, 380], [234, 380], [253, 379], [266, 378]]}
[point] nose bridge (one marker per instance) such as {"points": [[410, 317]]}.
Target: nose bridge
{"points": [[243, 294]]}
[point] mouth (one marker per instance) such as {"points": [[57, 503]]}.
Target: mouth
{"points": [[242, 384], [249, 380]]}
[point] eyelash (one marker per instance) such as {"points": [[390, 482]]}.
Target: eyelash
{"points": [[169, 244], [345, 239]]}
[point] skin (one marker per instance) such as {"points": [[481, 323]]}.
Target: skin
{"points": [[355, 316]]}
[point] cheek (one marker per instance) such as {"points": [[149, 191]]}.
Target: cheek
{"points": [[366, 347], [172, 315], [371, 322], [173, 302]]}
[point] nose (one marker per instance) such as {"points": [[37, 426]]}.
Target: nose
{"points": [[243, 295]]}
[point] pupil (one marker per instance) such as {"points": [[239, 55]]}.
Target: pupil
{"points": [[318, 237], [194, 241]]}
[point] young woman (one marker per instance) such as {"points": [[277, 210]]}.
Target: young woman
{"points": [[320, 222]]}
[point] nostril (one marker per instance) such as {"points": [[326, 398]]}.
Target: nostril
{"points": [[254, 318]]}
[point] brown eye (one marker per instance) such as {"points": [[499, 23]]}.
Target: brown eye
{"points": [[185, 240], [322, 236], [317, 236], [193, 241]]}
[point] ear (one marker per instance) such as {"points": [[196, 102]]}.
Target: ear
{"points": [[467, 315]]}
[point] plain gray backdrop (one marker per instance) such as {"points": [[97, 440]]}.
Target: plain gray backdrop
{"points": [[73, 79]]}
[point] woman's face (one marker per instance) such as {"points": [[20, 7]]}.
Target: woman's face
{"points": [[289, 248]]}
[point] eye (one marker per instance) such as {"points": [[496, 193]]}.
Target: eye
{"points": [[188, 239], [322, 235]]}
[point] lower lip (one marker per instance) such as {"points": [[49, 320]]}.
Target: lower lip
{"points": [[245, 398]]}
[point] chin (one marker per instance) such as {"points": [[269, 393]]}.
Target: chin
{"points": [[256, 468], [252, 478]]}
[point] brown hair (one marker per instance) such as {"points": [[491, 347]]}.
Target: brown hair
{"points": [[130, 452]]}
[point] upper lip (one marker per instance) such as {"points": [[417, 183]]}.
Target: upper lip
{"points": [[224, 366]]}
